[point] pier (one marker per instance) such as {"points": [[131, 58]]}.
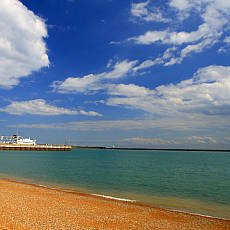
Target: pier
{"points": [[23, 147]]}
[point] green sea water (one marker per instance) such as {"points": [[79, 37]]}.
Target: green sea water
{"points": [[190, 181]]}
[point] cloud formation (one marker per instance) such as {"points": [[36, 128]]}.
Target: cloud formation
{"points": [[40, 107], [149, 141], [186, 124], [144, 12], [202, 140], [227, 40], [22, 48], [93, 82], [207, 92], [178, 141], [214, 15]]}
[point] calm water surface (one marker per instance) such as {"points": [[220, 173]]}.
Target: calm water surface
{"points": [[192, 181]]}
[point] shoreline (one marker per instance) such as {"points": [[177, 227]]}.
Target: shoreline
{"points": [[124, 207], [90, 193]]}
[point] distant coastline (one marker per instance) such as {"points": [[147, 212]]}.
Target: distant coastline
{"points": [[160, 149]]}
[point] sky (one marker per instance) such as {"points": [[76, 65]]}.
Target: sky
{"points": [[140, 73]]}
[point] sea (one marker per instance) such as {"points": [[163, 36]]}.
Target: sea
{"points": [[188, 181]]}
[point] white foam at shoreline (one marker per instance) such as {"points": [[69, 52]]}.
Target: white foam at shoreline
{"points": [[196, 214], [113, 198]]}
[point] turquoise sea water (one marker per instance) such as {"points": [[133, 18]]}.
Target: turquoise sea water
{"points": [[191, 181]]}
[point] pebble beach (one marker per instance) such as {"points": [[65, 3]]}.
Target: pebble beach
{"points": [[27, 206]]}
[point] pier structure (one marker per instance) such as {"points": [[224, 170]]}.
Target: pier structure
{"points": [[24, 147]]}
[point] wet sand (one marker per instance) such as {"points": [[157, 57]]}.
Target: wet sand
{"points": [[25, 206]]}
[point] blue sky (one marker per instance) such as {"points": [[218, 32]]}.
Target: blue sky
{"points": [[103, 72]]}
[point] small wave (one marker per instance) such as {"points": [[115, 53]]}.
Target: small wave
{"points": [[113, 198], [196, 214]]}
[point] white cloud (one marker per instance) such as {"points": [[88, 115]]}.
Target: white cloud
{"points": [[186, 124], [168, 55], [222, 50], [227, 39], [96, 125], [114, 43], [120, 69], [40, 107], [196, 48], [130, 90], [223, 5], [206, 30], [171, 57], [202, 140], [75, 85], [22, 48], [215, 16], [151, 37], [93, 82], [207, 92], [225, 47], [142, 11], [180, 4], [90, 113], [109, 64], [146, 64], [151, 141]]}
